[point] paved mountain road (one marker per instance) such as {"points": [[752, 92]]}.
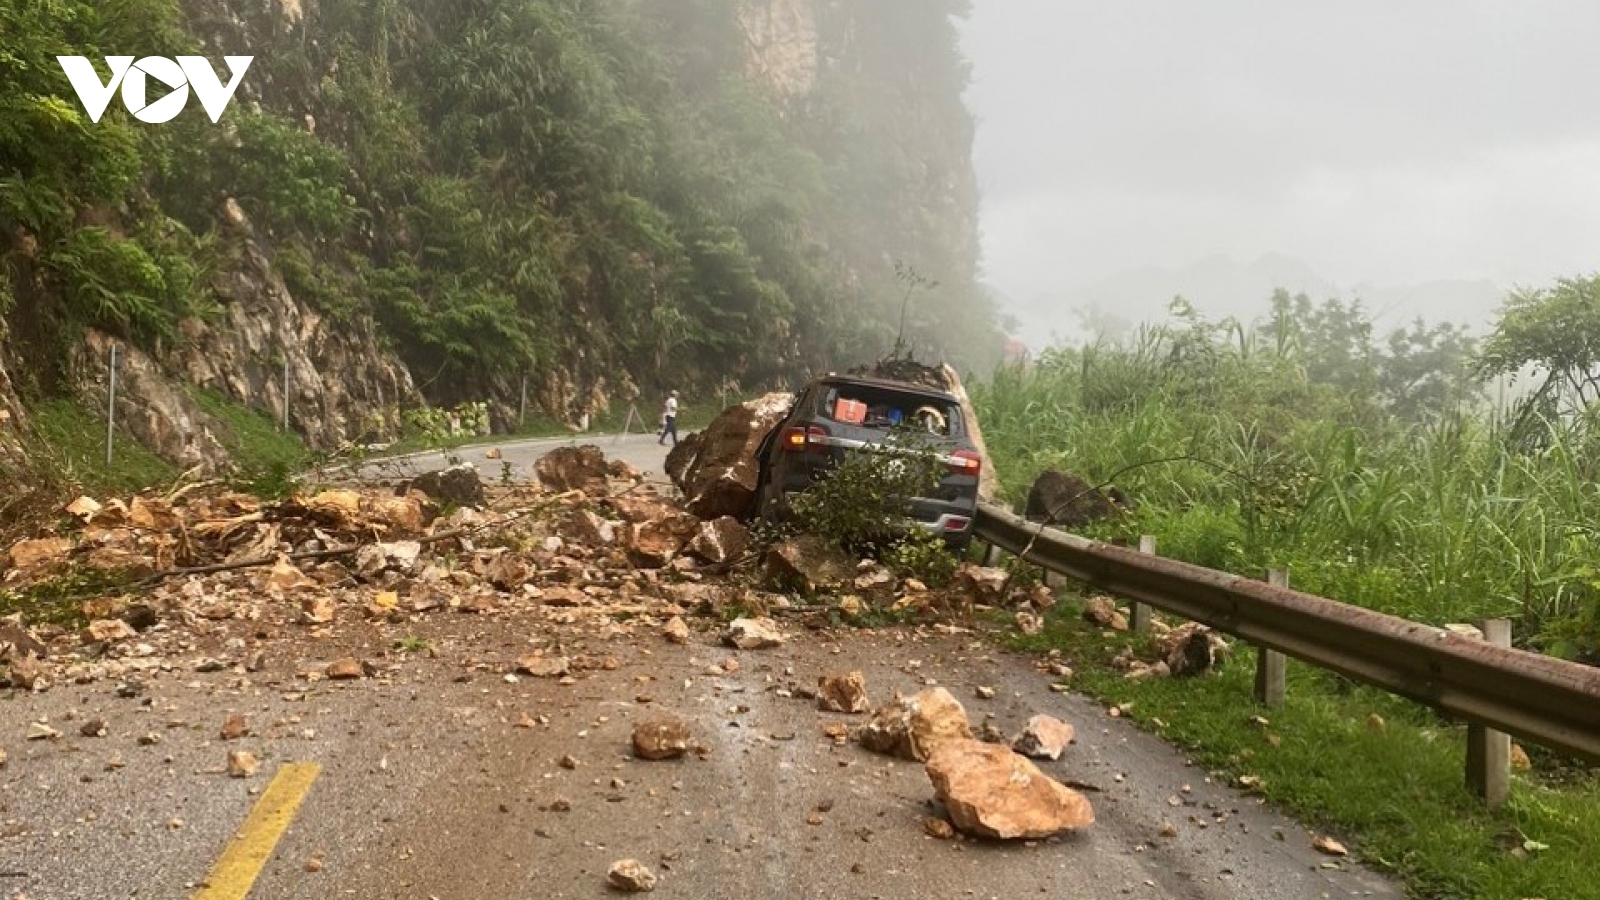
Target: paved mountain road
{"points": [[430, 787], [638, 450], [441, 778]]}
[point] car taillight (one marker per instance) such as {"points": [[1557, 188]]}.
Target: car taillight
{"points": [[965, 462], [796, 439]]}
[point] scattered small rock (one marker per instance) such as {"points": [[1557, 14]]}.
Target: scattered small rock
{"points": [[1519, 759], [754, 634], [544, 666], [235, 727], [661, 738], [935, 827], [846, 693], [1028, 623], [345, 669], [242, 764], [1192, 649], [40, 731], [317, 610], [110, 631], [1329, 847], [630, 875], [1045, 737], [991, 733], [981, 583], [93, 728], [676, 630], [912, 728], [1102, 611]]}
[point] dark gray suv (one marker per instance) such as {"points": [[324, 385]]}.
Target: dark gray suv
{"points": [[840, 414]]}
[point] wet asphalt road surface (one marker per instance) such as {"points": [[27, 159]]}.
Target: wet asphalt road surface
{"points": [[442, 779]]}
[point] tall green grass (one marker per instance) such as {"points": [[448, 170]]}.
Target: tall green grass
{"points": [[1236, 459], [1247, 465]]}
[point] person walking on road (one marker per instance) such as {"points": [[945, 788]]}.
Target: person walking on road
{"points": [[669, 419]]}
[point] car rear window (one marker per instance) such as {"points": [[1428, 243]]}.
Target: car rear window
{"points": [[873, 407]]}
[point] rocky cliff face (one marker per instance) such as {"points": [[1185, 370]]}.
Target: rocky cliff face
{"points": [[343, 385], [782, 43]]}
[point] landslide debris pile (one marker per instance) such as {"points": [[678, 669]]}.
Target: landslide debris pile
{"points": [[149, 583], [212, 581]]}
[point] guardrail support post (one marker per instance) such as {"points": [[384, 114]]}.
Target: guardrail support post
{"points": [[1489, 751], [991, 555], [1138, 613], [1272, 667]]}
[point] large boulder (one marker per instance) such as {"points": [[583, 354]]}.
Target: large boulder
{"points": [[1060, 499], [573, 469], [455, 486], [808, 563], [652, 544], [719, 540], [681, 458], [718, 474], [992, 792]]}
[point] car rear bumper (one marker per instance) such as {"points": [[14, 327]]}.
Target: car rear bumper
{"points": [[952, 518]]}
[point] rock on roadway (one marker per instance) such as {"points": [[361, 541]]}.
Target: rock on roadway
{"points": [[438, 787]]}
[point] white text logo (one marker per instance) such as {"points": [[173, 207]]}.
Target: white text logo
{"points": [[187, 72]]}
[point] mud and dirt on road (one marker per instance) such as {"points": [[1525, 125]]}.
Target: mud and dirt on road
{"points": [[470, 684]]}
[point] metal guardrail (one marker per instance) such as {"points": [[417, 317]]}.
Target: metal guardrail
{"points": [[1547, 701]]}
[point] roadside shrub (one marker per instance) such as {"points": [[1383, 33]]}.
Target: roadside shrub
{"points": [[862, 503], [924, 556]]}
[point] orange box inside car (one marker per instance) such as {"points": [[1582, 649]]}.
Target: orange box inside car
{"points": [[851, 412]]}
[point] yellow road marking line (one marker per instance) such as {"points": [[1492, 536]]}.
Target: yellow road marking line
{"points": [[236, 870]]}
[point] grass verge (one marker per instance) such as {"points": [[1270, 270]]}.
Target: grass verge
{"points": [[71, 439], [1393, 791], [266, 456]]}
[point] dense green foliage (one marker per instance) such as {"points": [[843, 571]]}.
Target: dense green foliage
{"points": [[1377, 473], [510, 186], [1372, 470]]}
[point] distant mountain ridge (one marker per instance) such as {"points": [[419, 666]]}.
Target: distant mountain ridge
{"points": [[1220, 286]]}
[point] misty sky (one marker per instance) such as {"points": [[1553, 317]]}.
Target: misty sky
{"points": [[1383, 142]]}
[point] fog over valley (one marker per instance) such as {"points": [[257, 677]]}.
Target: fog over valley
{"points": [[1424, 158]]}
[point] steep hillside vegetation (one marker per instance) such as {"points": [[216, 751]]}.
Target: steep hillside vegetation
{"points": [[431, 201]]}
